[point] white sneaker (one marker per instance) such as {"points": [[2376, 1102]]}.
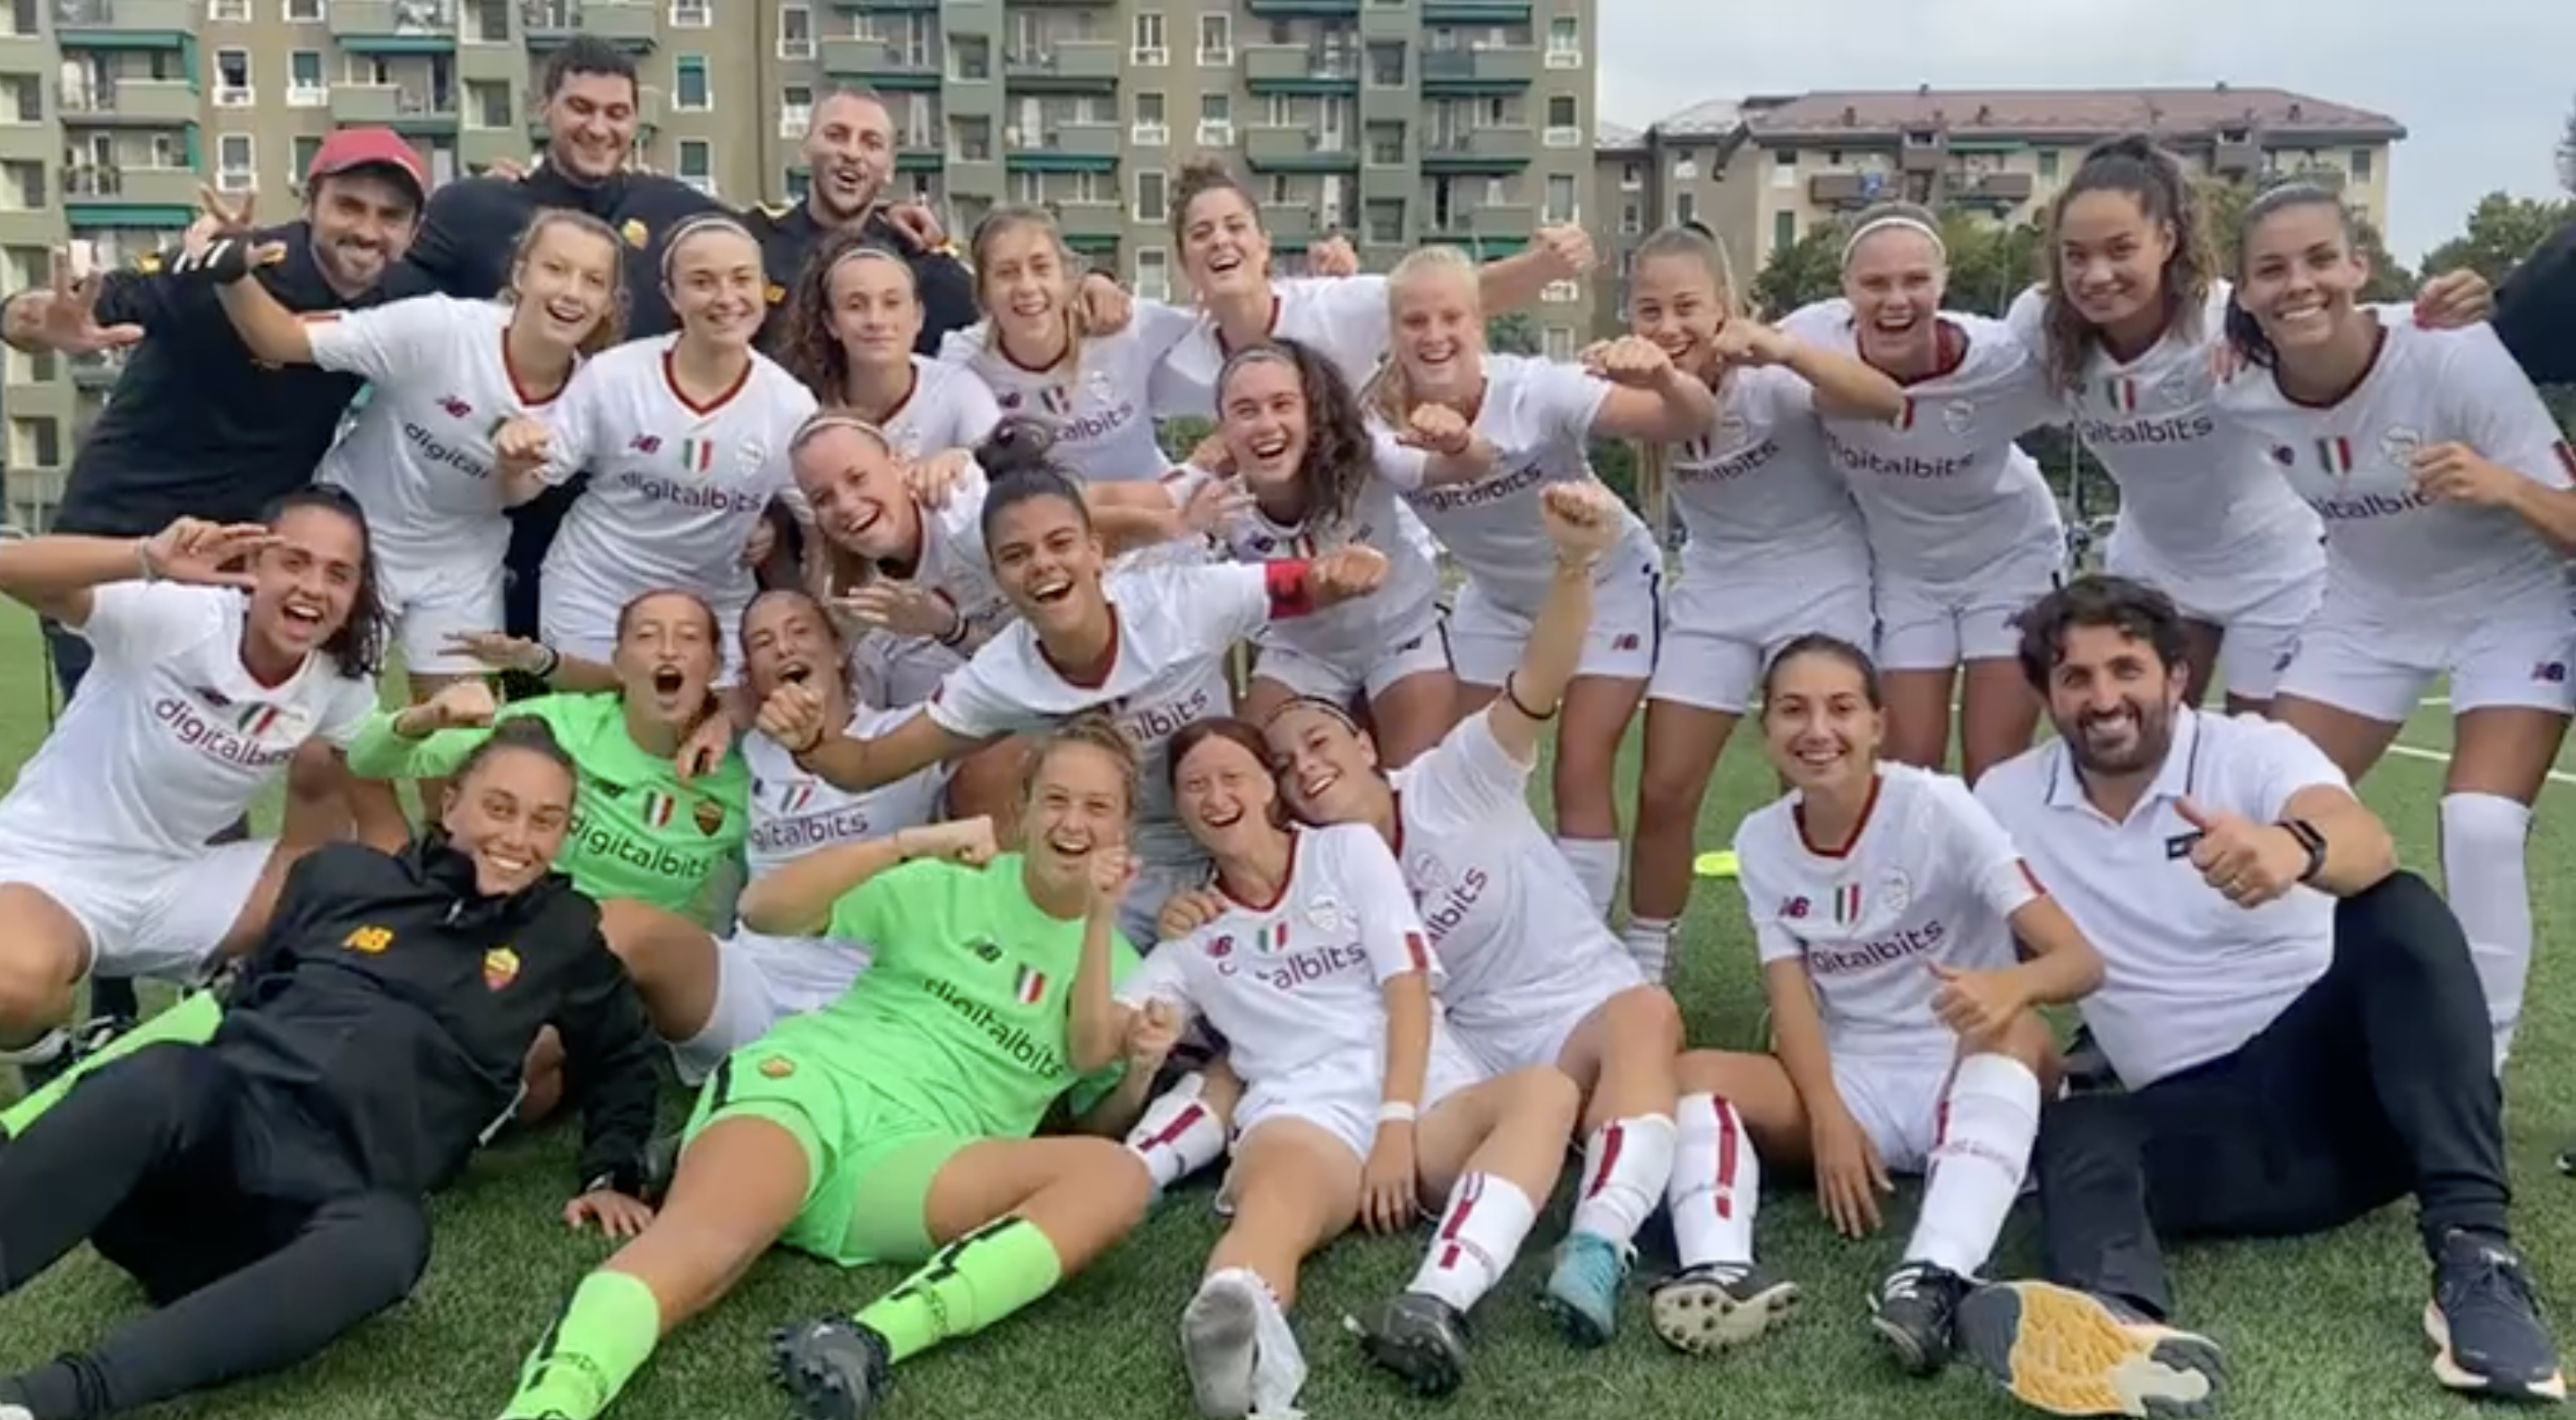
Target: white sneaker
{"points": [[1220, 1342]]}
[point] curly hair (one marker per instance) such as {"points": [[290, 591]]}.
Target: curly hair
{"points": [[1338, 460], [2155, 179], [810, 351]]}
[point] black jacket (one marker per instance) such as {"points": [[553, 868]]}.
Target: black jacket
{"points": [[398, 1006], [2536, 311], [789, 237], [473, 224]]}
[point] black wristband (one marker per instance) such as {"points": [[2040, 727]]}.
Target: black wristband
{"points": [[1512, 693], [2310, 839]]}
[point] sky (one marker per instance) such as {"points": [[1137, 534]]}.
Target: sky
{"points": [[2483, 87]]}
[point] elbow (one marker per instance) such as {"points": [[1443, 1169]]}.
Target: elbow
{"points": [[2374, 853], [768, 911]]}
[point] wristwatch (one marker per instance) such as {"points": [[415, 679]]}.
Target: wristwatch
{"points": [[2313, 841]]}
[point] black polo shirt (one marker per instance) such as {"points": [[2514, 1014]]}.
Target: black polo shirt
{"points": [[195, 427], [473, 225], [2535, 313], [789, 236]]}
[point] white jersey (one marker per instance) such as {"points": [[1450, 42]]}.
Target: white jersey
{"points": [[1929, 879], [675, 487], [1538, 416], [1298, 982], [793, 813], [954, 566], [1358, 629], [948, 408], [1345, 319], [2389, 548], [170, 738], [418, 457], [1755, 493], [1945, 493], [1509, 920], [1175, 628], [1098, 405]]}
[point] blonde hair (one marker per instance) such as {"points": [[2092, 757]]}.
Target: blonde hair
{"points": [[611, 327], [1010, 218], [831, 570], [1091, 729], [1389, 393], [1693, 242]]}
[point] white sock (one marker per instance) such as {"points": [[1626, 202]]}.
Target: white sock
{"points": [[1717, 1180], [1179, 1135], [1626, 1165], [1650, 941], [2483, 841], [1990, 1117], [1596, 866], [1481, 1231]]}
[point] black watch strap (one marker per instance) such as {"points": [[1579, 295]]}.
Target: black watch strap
{"points": [[2313, 841]]}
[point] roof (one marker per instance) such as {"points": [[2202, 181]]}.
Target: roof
{"points": [[1715, 118], [1612, 137], [2089, 113]]}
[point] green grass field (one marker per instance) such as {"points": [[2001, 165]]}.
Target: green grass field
{"points": [[2317, 1328]]}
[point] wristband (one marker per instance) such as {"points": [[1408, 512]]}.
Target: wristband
{"points": [[1512, 693], [2305, 834], [143, 560], [549, 660], [1397, 1112], [955, 635]]}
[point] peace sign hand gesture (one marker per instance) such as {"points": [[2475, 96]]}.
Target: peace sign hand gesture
{"points": [[203, 554], [68, 324], [218, 247]]}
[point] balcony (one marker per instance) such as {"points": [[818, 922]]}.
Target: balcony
{"points": [[1479, 150], [1293, 9], [478, 149], [1851, 189], [1495, 69], [885, 7], [1069, 148], [396, 106], [394, 26], [125, 24], [1297, 150], [879, 64], [1988, 189], [129, 187], [1090, 226], [154, 103], [2324, 175], [1508, 224], [1299, 69], [1476, 12], [628, 24], [1065, 66], [2236, 156], [98, 372]]}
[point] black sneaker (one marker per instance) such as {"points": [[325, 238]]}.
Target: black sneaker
{"points": [[661, 1165], [1708, 1309], [1420, 1338], [833, 1369], [44, 1062], [2486, 1331], [2065, 1352], [1917, 1312]]}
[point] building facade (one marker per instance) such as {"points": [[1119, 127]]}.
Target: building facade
{"points": [[1396, 122]]}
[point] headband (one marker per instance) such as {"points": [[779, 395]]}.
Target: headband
{"points": [[864, 251], [817, 425], [690, 227], [1895, 222], [1311, 702]]}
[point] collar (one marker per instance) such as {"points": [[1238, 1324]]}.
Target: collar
{"points": [[2176, 778]]}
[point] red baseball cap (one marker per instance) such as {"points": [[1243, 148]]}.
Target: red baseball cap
{"points": [[352, 149]]}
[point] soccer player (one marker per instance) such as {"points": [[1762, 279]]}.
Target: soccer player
{"points": [[1149, 643], [1886, 903], [1963, 528], [849, 156], [266, 1188], [2297, 1022], [2444, 487], [1775, 547], [1535, 981], [1304, 463], [893, 1126], [642, 833], [852, 324], [1359, 1104], [221, 652], [685, 439]]}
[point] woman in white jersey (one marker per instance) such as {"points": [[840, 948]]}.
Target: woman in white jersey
{"points": [[445, 376], [685, 438], [1963, 529], [1529, 424], [1775, 545], [851, 328], [1534, 978], [1149, 644], [2443, 483], [222, 651], [1886, 902], [1294, 437], [1359, 1105]]}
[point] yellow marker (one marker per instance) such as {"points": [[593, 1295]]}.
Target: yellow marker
{"points": [[1720, 864]]}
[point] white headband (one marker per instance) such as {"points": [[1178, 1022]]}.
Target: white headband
{"points": [[1897, 221]]}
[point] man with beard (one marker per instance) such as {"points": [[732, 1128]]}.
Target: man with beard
{"points": [[849, 156], [2300, 1031]]}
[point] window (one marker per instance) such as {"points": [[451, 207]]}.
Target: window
{"points": [[1784, 167], [1560, 200], [1560, 111], [236, 162], [304, 86], [1685, 208], [1153, 274], [796, 32], [799, 184], [1149, 128], [2048, 165], [2359, 165], [692, 14], [795, 110], [1784, 230], [689, 89], [1153, 195], [1631, 177], [304, 12], [1386, 66], [1564, 43], [1216, 39], [1382, 224], [228, 12], [1028, 189], [232, 79], [697, 165], [1216, 107], [26, 97], [1148, 48], [308, 146], [22, 186], [35, 442], [1557, 343], [1632, 218]]}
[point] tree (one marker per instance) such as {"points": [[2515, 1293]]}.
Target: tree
{"points": [[2567, 154], [2224, 203], [1990, 265], [2502, 231], [1512, 333], [1802, 273], [1181, 437]]}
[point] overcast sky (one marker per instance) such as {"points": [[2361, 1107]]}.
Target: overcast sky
{"points": [[2483, 87]]}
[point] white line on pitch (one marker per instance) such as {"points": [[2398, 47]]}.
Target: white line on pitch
{"points": [[2438, 757]]}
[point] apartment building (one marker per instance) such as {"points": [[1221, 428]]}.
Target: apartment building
{"points": [[1767, 170], [1397, 122]]}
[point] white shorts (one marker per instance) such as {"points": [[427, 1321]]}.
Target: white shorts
{"points": [[1719, 636], [761, 981], [582, 626], [1155, 885], [2358, 664], [1927, 628], [146, 916], [1897, 1102], [1342, 679], [2261, 617], [1486, 640], [429, 603], [1341, 1095]]}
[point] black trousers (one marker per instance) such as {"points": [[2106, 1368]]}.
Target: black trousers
{"points": [[246, 1222], [2377, 1082]]}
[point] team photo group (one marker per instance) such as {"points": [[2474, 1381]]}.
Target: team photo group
{"points": [[755, 682]]}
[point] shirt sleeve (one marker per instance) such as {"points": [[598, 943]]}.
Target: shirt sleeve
{"points": [[1158, 327], [1566, 399], [1764, 899], [976, 414], [384, 342], [146, 294], [1391, 930], [1981, 851], [2498, 413], [1355, 309], [874, 914], [1404, 468], [975, 701], [1471, 772], [961, 346], [2535, 312], [347, 714], [137, 623], [2281, 763], [1227, 603], [2028, 318], [376, 752]]}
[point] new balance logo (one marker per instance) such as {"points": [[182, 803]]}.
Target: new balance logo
{"points": [[456, 408], [645, 444]]}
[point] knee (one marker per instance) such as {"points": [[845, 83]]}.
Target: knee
{"points": [[541, 1078], [1113, 1176], [382, 1242], [1545, 1095], [315, 772], [2399, 917], [1643, 1021], [1668, 803]]}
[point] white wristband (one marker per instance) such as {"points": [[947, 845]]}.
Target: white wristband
{"points": [[1396, 1112]]}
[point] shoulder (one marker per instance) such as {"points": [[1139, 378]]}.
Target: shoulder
{"points": [[1763, 833], [477, 197], [653, 196], [965, 343], [2018, 783], [1349, 842]]}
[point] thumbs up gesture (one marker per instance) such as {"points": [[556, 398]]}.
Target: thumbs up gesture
{"points": [[2250, 863]]}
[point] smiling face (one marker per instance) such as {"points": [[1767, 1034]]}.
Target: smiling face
{"points": [[667, 657], [590, 125], [1224, 796], [1078, 803], [2113, 700], [2302, 279], [1328, 771], [849, 152], [1440, 332], [1223, 250], [874, 312], [855, 486], [716, 287], [566, 282], [786, 640], [2111, 257], [1673, 301], [1894, 281], [305, 587], [1818, 725], [1262, 417], [1024, 283], [509, 816], [1047, 561], [363, 221]]}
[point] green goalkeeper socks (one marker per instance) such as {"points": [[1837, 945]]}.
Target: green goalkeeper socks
{"points": [[967, 1286], [604, 1338]]}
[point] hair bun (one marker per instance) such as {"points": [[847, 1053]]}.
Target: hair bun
{"points": [[1019, 444]]}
